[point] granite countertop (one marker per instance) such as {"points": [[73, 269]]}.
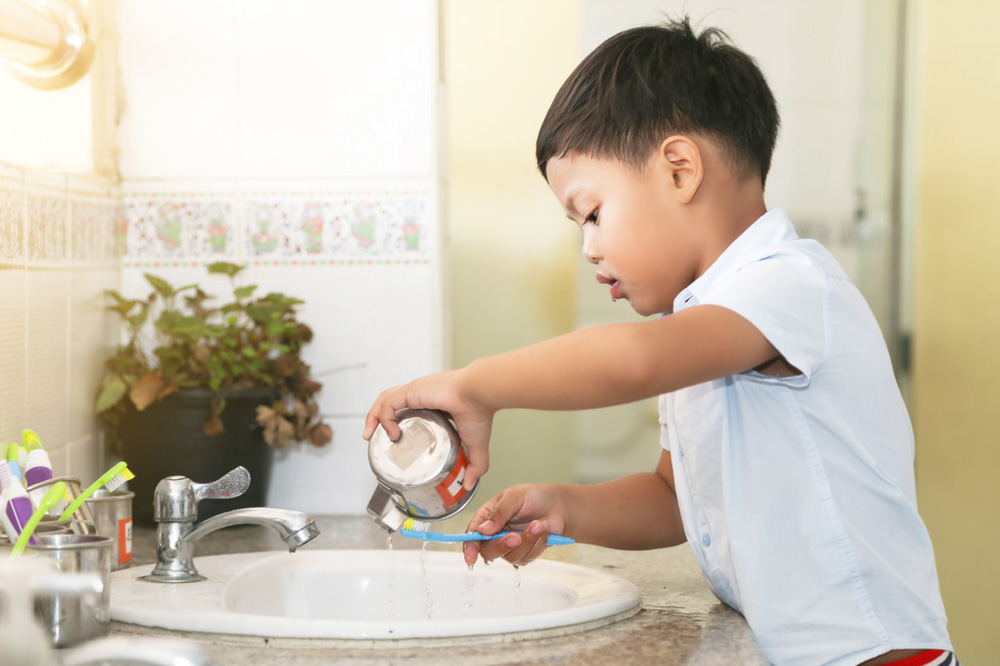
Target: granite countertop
{"points": [[681, 621]]}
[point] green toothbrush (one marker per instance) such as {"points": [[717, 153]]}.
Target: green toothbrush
{"points": [[50, 498], [111, 479]]}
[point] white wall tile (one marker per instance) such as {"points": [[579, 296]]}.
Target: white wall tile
{"points": [[333, 480], [91, 341], [83, 460], [373, 327], [337, 89], [48, 355], [178, 77], [59, 457], [13, 359]]}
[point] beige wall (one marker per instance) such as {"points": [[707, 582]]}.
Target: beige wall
{"points": [[957, 313], [512, 252]]}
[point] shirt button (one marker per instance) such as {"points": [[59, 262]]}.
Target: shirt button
{"points": [[680, 449], [706, 540]]}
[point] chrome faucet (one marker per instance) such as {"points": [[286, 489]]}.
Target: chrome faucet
{"points": [[175, 509]]}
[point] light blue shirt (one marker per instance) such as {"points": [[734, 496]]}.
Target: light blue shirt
{"points": [[797, 493]]}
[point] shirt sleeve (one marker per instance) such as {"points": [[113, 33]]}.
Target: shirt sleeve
{"points": [[784, 295]]}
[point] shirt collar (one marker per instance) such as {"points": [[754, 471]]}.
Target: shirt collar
{"points": [[772, 228]]}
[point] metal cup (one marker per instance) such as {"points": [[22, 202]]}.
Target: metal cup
{"points": [[71, 617], [113, 518], [37, 491], [419, 476]]}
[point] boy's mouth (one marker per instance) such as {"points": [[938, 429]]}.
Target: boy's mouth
{"points": [[615, 289]]}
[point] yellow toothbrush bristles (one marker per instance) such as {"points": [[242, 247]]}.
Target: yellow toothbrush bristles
{"points": [[31, 439], [118, 479]]}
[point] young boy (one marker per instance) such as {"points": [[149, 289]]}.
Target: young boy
{"points": [[788, 452]]}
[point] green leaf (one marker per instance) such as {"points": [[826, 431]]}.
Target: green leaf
{"points": [[225, 268], [245, 292], [249, 352], [174, 323], [139, 318], [214, 330], [160, 285], [114, 390], [122, 305]]}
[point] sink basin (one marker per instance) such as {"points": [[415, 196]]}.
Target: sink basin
{"points": [[374, 595]]}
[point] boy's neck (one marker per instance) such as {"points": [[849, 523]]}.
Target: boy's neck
{"points": [[726, 209]]}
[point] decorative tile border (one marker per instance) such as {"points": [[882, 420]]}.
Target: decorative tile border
{"points": [[96, 223], [52, 220], [278, 228], [179, 227], [47, 217], [11, 215]]}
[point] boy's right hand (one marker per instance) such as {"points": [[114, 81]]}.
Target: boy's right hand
{"points": [[532, 509], [444, 391]]}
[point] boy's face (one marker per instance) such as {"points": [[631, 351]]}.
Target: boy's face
{"points": [[632, 230]]}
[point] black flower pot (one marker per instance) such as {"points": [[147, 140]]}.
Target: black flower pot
{"points": [[168, 438]]}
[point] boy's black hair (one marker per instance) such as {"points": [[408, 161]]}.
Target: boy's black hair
{"points": [[644, 84]]}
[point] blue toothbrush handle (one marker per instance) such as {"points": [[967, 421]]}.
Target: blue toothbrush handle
{"points": [[553, 540]]}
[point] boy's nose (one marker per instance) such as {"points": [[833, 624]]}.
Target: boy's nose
{"points": [[591, 250]]}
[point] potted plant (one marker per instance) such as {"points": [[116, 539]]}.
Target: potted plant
{"points": [[198, 389]]}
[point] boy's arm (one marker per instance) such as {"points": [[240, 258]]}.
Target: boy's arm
{"points": [[593, 367], [635, 512], [620, 363]]}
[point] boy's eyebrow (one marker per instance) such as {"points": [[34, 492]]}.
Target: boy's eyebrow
{"points": [[571, 208]]}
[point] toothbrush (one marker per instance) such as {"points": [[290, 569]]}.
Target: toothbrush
{"points": [[15, 505], [50, 498], [110, 480], [408, 531], [39, 467], [15, 467]]}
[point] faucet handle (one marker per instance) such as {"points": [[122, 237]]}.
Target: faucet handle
{"points": [[233, 484], [176, 497]]}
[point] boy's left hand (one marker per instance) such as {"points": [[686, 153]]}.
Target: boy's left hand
{"points": [[531, 509], [444, 391]]}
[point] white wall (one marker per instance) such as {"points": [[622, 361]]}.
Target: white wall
{"points": [[301, 139], [59, 250]]}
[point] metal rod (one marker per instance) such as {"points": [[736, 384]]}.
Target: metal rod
{"points": [[29, 33], [895, 332]]}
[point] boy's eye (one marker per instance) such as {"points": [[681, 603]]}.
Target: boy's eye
{"points": [[592, 217]]}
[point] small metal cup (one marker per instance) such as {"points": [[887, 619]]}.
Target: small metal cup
{"points": [[419, 476], [113, 518], [71, 617], [73, 490]]}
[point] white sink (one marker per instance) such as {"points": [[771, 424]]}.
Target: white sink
{"points": [[372, 594]]}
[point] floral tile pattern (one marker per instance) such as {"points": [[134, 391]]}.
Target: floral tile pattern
{"points": [[169, 227], [11, 219], [93, 229], [279, 227], [47, 225]]}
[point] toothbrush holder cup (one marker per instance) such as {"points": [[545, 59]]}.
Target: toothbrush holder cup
{"points": [[113, 518], [72, 617], [37, 491]]}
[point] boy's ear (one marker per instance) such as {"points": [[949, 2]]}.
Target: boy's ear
{"points": [[684, 166]]}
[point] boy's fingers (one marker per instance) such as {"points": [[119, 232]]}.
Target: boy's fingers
{"points": [[471, 552], [500, 511], [491, 550], [536, 537], [479, 462]]}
